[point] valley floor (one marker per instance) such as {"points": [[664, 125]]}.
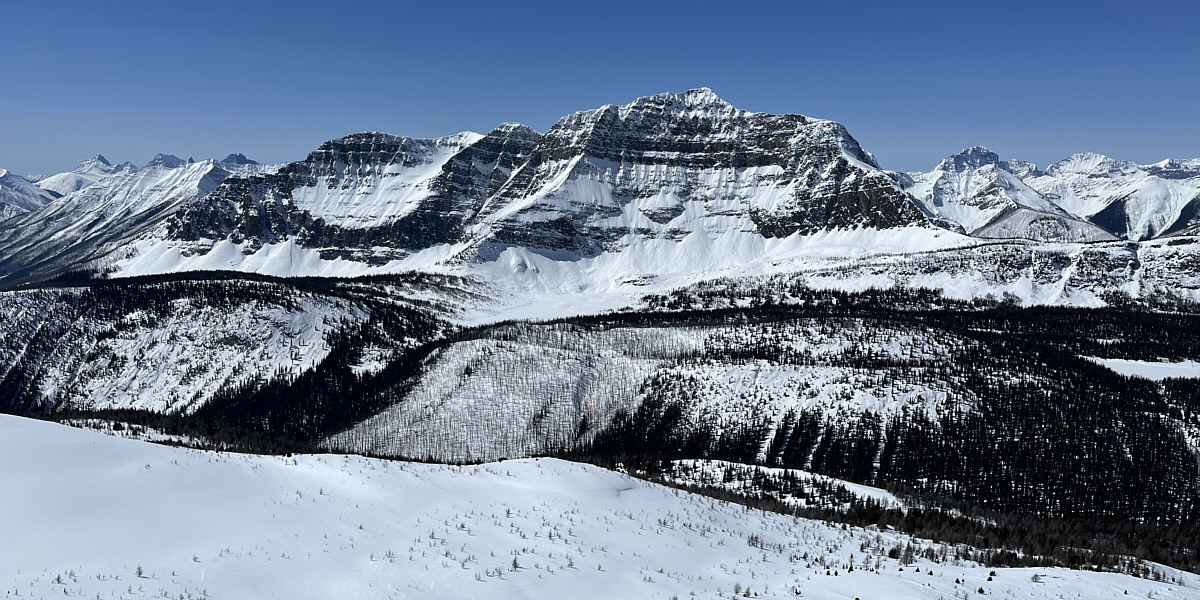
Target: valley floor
{"points": [[83, 514]]}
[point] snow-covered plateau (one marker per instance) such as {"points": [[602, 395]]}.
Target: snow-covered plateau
{"points": [[104, 517]]}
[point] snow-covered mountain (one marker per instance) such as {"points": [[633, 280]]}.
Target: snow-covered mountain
{"points": [[1130, 200], [1085, 197], [88, 172], [609, 205], [103, 208], [369, 197], [18, 195], [983, 194], [663, 168], [671, 165]]}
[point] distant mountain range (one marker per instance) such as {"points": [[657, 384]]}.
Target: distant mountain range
{"points": [[1085, 197], [606, 197]]}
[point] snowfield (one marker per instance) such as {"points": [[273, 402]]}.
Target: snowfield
{"points": [[88, 515], [1156, 371]]}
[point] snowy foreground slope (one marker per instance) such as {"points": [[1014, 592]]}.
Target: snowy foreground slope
{"points": [[104, 517]]}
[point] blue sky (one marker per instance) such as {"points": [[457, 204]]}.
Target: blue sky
{"points": [[913, 81]]}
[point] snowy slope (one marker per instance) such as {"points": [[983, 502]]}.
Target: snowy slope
{"points": [[113, 518], [530, 390], [374, 193], [19, 196], [1150, 369]]}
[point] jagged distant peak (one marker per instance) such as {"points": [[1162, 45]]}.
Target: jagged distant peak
{"points": [[458, 140], [1175, 168], [238, 159], [1021, 168], [169, 161], [367, 140], [97, 164], [513, 128], [696, 102], [1091, 163], [1177, 163], [702, 97], [974, 157]]}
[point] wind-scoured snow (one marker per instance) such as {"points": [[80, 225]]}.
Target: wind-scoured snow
{"points": [[104, 517]]}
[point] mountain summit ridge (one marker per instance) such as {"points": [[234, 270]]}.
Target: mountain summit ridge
{"points": [[669, 173]]}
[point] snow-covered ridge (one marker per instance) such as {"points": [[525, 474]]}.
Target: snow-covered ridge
{"points": [[18, 195], [607, 197], [1084, 197], [88, 172], [113, 205]]}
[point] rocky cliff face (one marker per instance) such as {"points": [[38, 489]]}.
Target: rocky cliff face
{"points": [[660, 167], [671, 164], [369, 196]]}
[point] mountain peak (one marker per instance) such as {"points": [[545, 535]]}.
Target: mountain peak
{"points": [[238, 159], [169, 161], [511, 128], [970, 158], [696, 99], [367, 138], [1091, 163], [96, 163]]}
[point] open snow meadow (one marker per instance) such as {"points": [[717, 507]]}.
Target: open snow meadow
{"points": [[95, 516]]}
